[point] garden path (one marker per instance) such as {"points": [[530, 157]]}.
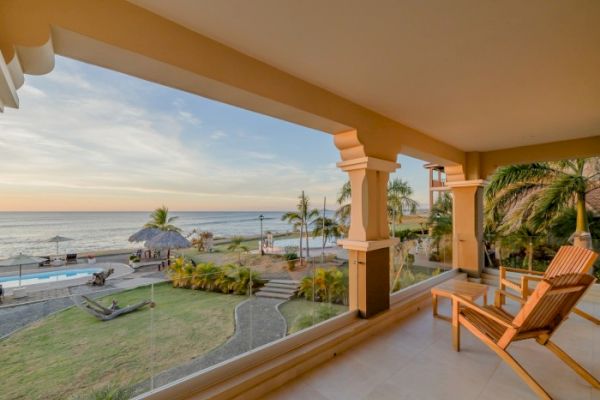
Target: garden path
{"points": [[257, 322]]}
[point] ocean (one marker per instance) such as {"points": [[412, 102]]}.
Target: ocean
{"points": [[26, 232]]}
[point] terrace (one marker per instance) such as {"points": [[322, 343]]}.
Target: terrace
{"points": [[413, 359], [470, 87]]}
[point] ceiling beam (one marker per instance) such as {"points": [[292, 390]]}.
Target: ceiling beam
{"points": [[555, 151]]}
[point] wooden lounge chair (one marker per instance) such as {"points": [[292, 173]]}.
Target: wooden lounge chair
{"points": [[568, 259], [540, 316], [103, 313]]}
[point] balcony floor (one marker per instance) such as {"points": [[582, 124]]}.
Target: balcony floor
{"points": [[413, 359]]}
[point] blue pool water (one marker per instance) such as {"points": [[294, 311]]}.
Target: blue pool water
{"points": [[46, 277]]}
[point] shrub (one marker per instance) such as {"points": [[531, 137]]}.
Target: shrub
{"points": [[228, 278], [325, 285]]}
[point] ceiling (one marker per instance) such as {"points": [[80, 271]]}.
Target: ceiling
{"points": [[477, 74]]}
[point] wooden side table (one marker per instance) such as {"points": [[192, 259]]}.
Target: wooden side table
{"points": [[469, 290]]}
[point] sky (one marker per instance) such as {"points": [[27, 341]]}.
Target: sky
{"points": [[90, 139]]}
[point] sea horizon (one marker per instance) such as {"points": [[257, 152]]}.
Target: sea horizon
{"points": [[27, 231]]}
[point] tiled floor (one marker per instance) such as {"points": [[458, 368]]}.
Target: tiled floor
{"points": [[414, 360]]}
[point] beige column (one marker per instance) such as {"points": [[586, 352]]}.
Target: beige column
{"points": [[368, 239], [467, 225]]}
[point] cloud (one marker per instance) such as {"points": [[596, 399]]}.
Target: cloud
{"points": [[31, 91], [218, 135], [79, 136]]}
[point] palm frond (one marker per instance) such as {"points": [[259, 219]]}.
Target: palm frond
{"points": [[555, 199], [344, 194], [518, 174]]}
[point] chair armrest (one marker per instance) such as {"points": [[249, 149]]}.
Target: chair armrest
{"points": [[458, 300], [521, 271], [532, 278], [525, 279], [508, 294]]}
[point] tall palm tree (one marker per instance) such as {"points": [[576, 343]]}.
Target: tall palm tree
{"points": [[326, 228], [400, 200], [440, 219], [236, 244], [159, 219], [536, 194], [301, 218]]}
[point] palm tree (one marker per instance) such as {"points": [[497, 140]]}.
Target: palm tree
{"points": [[300, 219], [537, 194], [236, 244], [327, 228], [343, 212], [440, 219], [400, 200], [159, 219]]}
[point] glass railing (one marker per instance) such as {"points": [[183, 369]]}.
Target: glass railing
{"points": [[419, 258], [146, 328], [529, 253]]}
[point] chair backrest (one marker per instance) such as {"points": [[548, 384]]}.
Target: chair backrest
{"points": [[571, 260], [551, 302]]}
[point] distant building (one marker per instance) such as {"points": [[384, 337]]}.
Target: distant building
{"points": [[437, 182]]}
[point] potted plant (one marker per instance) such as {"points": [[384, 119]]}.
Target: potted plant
{"points": [[291, 260]]}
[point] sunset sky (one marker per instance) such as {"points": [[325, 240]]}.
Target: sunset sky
{"points": [[90, 139]]}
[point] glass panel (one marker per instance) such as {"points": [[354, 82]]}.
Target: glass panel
{"points": [[527, 252], [323, 291], [417, 258], [74, 346]]}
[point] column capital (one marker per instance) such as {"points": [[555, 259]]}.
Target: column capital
{"points": [[469, 183], [372, 163], [367, 245]]}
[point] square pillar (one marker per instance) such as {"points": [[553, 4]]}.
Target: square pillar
{"points": [[368, 241], [467, 226]]}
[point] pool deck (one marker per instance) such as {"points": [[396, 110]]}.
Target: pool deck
{"points": [[16, 314], [120, 271]]}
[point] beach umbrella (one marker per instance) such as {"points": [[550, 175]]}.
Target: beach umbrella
{"points": [[144, 234], [20, 260], [57, 239], [168, 240]]}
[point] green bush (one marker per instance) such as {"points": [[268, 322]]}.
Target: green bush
{"points": [[326, 285], [227, 278]]}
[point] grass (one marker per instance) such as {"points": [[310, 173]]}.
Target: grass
{"points": [[413, 222], [300, 314], [71, 352]]}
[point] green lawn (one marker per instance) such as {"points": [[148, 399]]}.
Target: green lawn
{"points": [[300, 314], [71, 352]]}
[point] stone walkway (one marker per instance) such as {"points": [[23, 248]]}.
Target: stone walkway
{"points": [[257, 322]]}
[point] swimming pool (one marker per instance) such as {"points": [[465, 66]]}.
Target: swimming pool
{"points": [[47, 277]]}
